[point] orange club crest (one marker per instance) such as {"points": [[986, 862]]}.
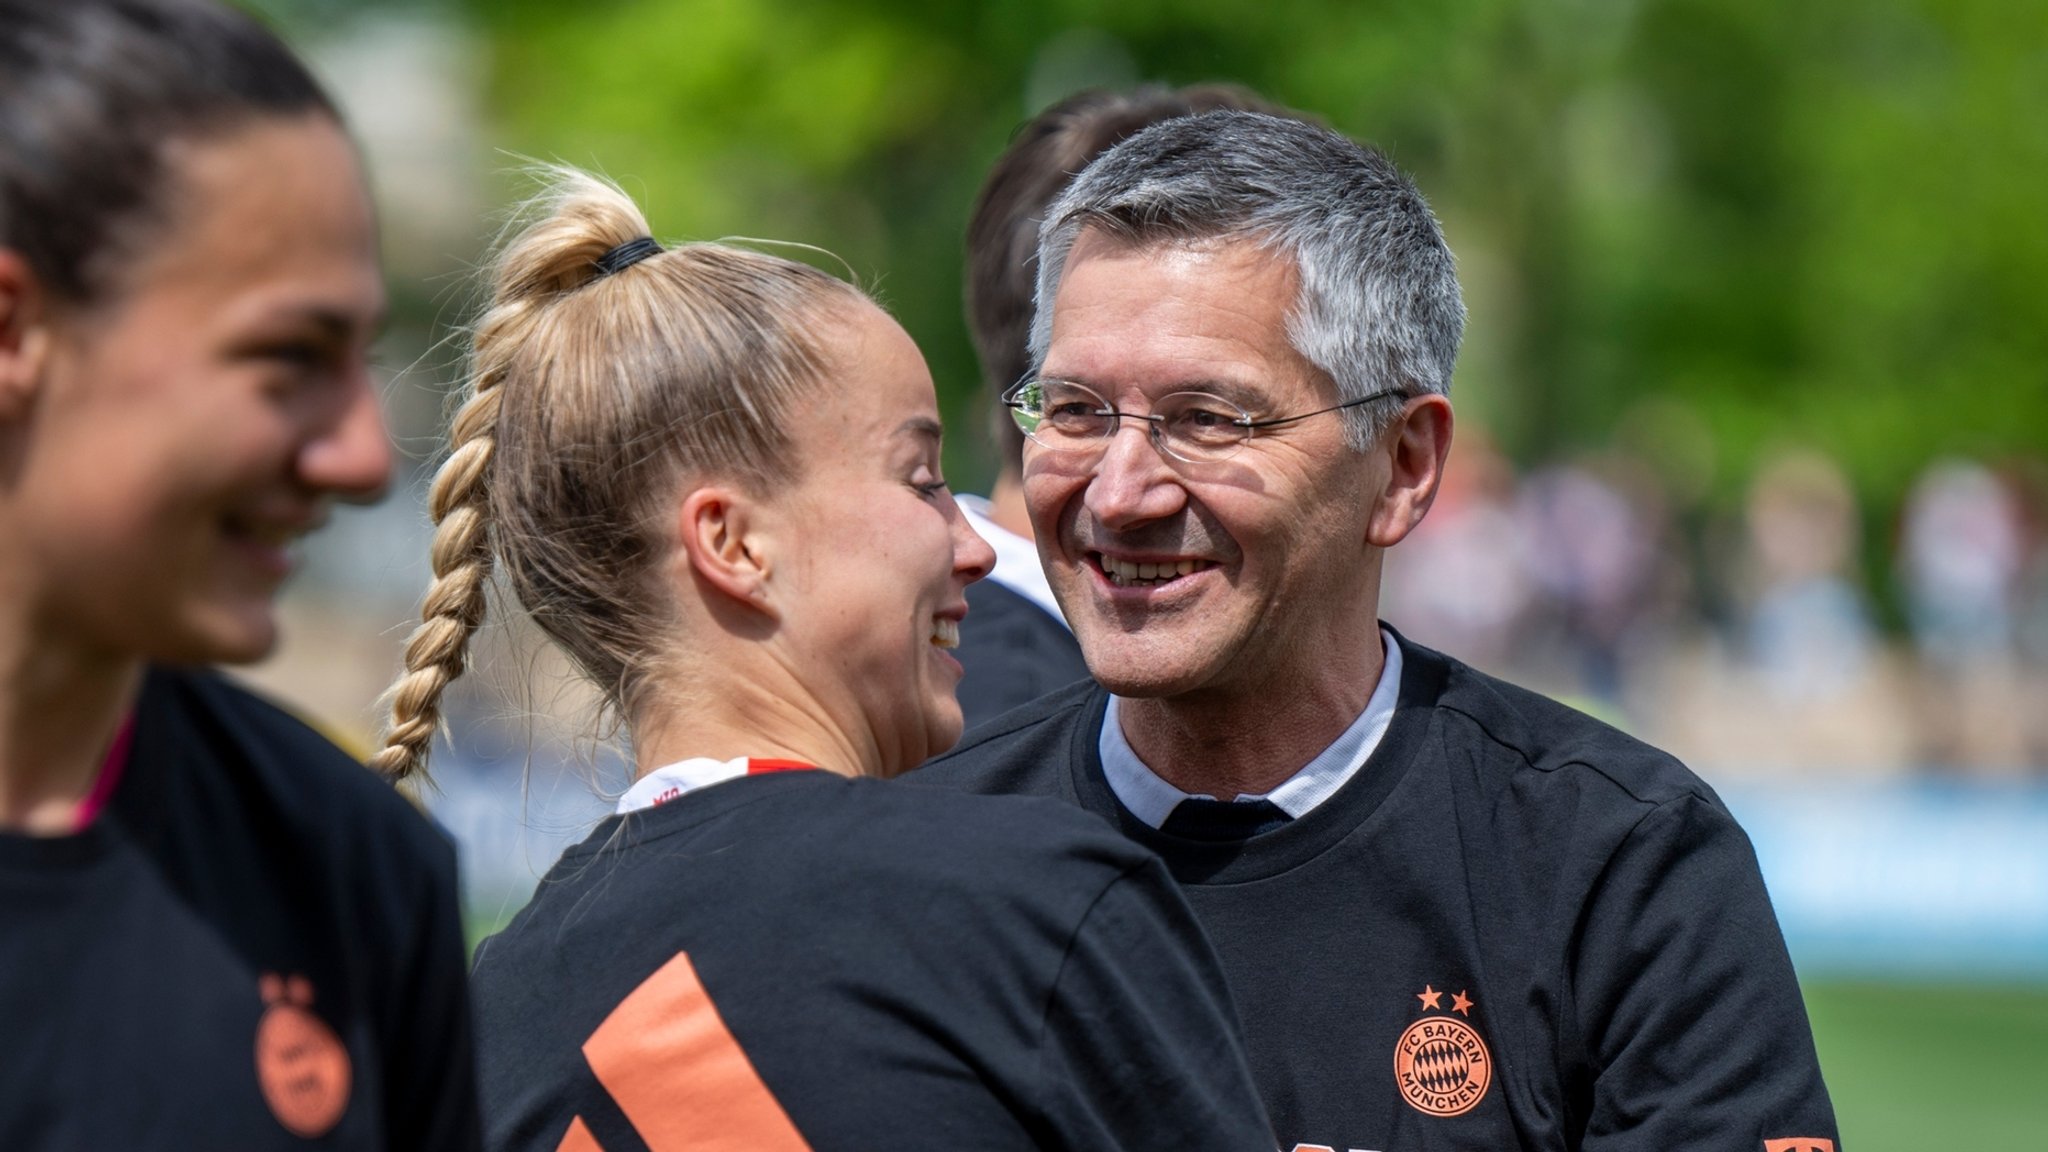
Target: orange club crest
{"points": [[301, 1065], [1441, 1064]]}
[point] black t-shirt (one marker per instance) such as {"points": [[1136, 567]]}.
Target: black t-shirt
{"points": [[255, 946], [1514, 927], [801, 961], [1013, 651]]}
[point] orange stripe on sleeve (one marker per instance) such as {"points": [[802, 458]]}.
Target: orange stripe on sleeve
{"points": [[578, 1139], [676, 1071]]}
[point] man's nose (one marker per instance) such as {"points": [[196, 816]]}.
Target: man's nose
{"points": [[349, 458], [1133, 482]]}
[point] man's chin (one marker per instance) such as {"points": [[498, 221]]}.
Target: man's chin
{"points": [[242, 635], [1146, 672]]}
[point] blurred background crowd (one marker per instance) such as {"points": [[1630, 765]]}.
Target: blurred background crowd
{"points": [[1752, 455]]}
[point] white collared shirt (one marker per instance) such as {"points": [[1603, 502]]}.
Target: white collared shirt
{"points": [[1017, 565], [1148, 797]]}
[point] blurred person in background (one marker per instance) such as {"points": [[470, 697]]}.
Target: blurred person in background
{"points": [[1962, 561], [1591, 536], [712, 477], [2026, 479], [1454, 914], [1014, 645], [216, 930], [1809, 632], [1461, 582]]}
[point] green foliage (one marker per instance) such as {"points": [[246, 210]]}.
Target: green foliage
{"points": [[1815, 223]]}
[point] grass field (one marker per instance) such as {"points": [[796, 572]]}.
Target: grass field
{"points": [[1919, 1067]]}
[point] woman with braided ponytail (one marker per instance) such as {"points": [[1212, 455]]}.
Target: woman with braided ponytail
{"points": [[712, 478], [216, 929]]}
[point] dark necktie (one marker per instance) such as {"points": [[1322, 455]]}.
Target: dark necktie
{"points": [[1223, 820]]}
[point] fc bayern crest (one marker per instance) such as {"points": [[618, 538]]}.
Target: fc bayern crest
{"points": [[1441, 1064]]}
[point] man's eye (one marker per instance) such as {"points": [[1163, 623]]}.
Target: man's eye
{"points": [[1204, 418]]}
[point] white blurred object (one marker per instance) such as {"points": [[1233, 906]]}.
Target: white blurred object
{"points": [[1960, 555], [409, 84]]}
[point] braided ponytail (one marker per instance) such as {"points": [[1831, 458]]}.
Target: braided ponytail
{"points": [[455, 602], [581, 219]]}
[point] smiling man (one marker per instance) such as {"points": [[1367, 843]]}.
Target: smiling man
{"points": [[1455, 914]]}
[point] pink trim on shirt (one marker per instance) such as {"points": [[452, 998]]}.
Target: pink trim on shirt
{"points": [[111, 768]]}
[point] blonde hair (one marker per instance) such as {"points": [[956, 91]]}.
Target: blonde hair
{"points": [[589, 397]]}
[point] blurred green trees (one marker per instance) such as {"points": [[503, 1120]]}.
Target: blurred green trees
{"points": [[1721, 223], [1701, 229]]}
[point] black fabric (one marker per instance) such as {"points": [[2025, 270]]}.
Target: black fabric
{"points": [[1505, 884], [238, 844], [1221, 820], [904, 969], [1013, 651]]}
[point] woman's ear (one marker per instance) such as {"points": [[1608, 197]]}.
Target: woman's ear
{"points": [[720, 538], [24, 335]]}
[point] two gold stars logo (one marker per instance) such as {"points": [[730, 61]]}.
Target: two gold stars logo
{"points": [[1431, 998]]}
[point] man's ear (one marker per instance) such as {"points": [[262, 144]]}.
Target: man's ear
{"points": [[24, 334], [719, 537], [1416, 447]]}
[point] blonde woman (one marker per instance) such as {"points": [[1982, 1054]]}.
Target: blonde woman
{"points": [[712, 476]]}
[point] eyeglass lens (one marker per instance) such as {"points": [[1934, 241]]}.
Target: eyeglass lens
{"points": [[1191, 425]]}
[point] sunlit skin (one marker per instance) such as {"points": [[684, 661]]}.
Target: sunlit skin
{"points": [[814, 618], [1241, 671], [163, 448]]}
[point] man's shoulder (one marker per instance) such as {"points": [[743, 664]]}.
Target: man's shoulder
{"points": [[1013, 651], [1025, 750], [1533, 732]]}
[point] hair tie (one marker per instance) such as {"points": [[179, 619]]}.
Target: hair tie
{"points": [[626, 255]]}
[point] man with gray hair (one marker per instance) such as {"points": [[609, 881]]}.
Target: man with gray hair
{"points": [[1455, 914]]}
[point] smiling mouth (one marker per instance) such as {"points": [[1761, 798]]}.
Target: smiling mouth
{"points": [[265, 534], [1145, 574], [945, 633]]}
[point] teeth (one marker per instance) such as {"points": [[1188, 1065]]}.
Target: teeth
{"points": [[1124, 574], [946, 633]]}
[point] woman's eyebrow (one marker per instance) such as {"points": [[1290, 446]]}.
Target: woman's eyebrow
{"points": [[922, 427], [333, 324]]}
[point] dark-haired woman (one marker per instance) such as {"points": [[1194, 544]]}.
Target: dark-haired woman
{"points": [[216, 931], [712, 476]]}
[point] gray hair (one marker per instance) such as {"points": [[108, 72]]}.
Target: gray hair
{"points": [[1379, 306]]}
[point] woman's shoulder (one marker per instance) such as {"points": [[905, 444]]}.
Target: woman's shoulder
{"points": [[803, 834], [1031, 842], [199, 720]]}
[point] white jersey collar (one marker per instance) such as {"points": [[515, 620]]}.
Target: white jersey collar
{"points": [[670, 781], [1148, 797]]}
